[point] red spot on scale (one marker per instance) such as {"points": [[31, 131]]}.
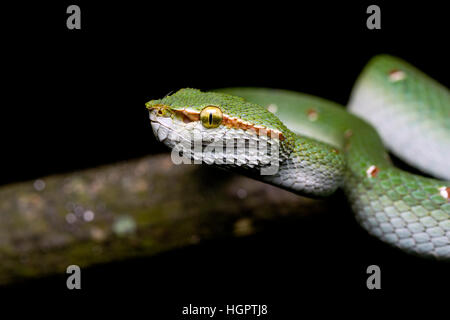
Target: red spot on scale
{"points": [[396, 75], [445, 192], [372, 172], [313, 115]]}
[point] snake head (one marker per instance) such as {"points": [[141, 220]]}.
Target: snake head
{"points": [[232, 133], [217, 128]]}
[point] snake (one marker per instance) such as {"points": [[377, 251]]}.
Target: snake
{"points": [[312, 146]]}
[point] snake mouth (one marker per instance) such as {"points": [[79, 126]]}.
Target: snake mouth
{"points": [[170, 126], [161, 125]]}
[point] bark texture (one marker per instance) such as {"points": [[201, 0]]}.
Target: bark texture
{"points": [[140, 207]]}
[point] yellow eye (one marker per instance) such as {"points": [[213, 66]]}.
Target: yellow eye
{"points": [[211, 117]]}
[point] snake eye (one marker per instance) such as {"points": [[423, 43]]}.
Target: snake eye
{"points": [[211, 117]]}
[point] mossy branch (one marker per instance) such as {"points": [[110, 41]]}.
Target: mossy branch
{"points": [[136, 208]]}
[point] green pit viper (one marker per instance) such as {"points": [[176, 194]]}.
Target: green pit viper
{"points": [[318, 146]]}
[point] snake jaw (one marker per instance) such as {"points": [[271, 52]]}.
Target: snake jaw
{"points": [[160, 130]]}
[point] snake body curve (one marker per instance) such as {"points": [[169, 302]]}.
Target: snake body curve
{"points": [[321, 147]]}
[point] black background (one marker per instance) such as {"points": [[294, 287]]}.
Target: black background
{"points": [[74, 99]]}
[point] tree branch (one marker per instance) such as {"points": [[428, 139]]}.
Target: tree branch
{"points": [[136, 208]]}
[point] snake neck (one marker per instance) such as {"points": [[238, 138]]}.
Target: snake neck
{"points": [[309, 168]]}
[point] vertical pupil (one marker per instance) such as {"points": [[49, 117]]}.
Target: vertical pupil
{"points": [[210, 118]]}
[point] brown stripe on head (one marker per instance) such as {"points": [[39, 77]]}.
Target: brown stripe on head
{"points": [[187, 115], [236, 123]]}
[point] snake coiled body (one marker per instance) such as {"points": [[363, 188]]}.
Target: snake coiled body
{"points": [[320, 146]]}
